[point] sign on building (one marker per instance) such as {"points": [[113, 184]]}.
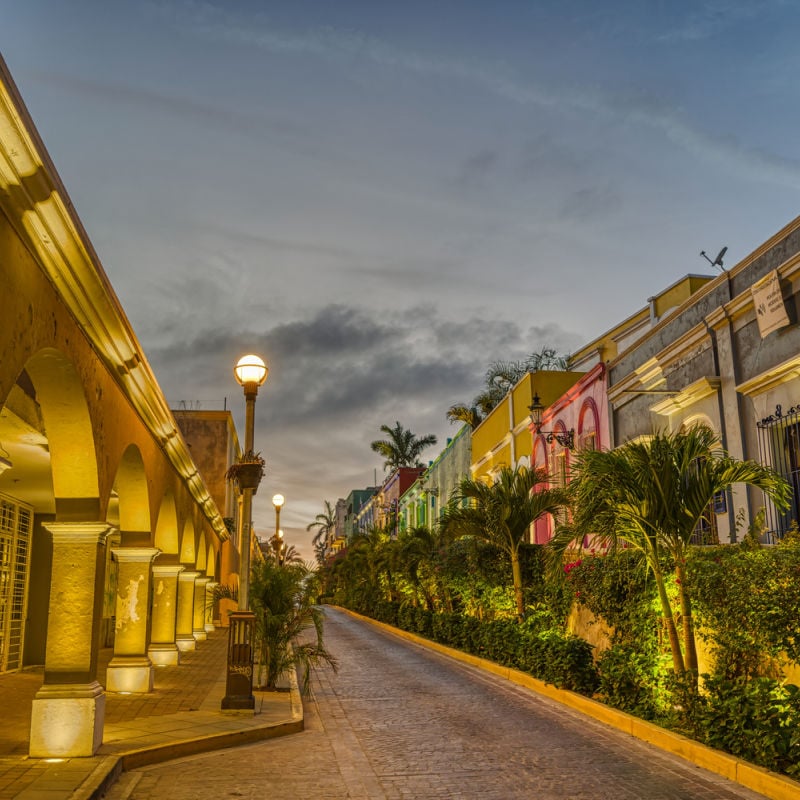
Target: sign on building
{"points": [[768, 300]]}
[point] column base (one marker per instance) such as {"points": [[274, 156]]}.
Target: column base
{"points": [[185, 643], [210, 627], [199, 634], [67, 721], [132, 674], [164, 655]]}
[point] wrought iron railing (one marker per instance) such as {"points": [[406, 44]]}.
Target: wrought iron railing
{"points": [[779, 447]]}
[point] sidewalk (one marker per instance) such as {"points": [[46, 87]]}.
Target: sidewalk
{"points": [[180, 717]]}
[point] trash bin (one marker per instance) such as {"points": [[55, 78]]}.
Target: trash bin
{"points": [[239, 683]]}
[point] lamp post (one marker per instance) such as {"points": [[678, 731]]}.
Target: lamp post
{"points": [[278, 546], [250, 372], [278, 500]]}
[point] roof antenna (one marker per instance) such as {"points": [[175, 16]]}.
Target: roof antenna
{"points": [[717, 262]]}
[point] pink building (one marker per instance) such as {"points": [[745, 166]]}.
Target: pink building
{"points": [[577, 420]]}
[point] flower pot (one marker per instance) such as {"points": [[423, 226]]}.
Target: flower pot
{"points": [[248, 476]]}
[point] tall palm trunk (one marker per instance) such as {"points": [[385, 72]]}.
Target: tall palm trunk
{"points": [[516, 577], [687, 619], [669, 619]]}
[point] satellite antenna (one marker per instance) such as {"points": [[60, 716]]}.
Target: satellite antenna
{"points": [[717, 262]]}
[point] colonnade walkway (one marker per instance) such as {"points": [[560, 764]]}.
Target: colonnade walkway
{"points": [[180, 716], [400, 721]]}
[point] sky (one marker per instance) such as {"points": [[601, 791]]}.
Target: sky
{"points": [[382, 198]]}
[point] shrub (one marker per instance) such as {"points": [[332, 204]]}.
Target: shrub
{"points": [[627, 681], [753, 620], [756, 719]]}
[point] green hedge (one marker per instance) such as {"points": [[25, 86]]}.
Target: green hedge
{"points": [[556, 658]]}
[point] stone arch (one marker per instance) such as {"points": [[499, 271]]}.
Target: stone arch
{"points": [[166, 537], [61, 397], [212, 565], [200, 563], [539, 455], [188, 552], [130, 486], [698, 419]]}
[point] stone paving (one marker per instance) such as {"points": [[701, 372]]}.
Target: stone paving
{"points": [[399, 721], [182, 715]]}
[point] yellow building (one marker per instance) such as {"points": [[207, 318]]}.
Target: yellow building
{"points": [[504, 438], [101, 503]]}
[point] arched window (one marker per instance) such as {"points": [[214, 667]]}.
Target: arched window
{"points": [[588, 424]]}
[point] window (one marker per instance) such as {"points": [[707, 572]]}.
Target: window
{"points": [[15, 540], [587, 427], [779, 447]]}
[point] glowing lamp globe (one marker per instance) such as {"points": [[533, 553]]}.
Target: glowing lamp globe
{"points": [[278, 500], [250, 370]]}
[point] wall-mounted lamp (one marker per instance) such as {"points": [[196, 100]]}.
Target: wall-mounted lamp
{"points": [[564, 439]]}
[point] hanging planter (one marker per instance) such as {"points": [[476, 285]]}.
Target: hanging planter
{"points": [[248, 471]]}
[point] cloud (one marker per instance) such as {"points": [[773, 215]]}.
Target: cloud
{"points": [[589, 204], [281, 132], [342, 363], [476, 169], [754, 164], [707, 19]]}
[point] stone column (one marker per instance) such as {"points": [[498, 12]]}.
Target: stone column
{"points": [[199, 617], [210, 586], [163, 651], [130, 670], [67, 712], [184, 638]]}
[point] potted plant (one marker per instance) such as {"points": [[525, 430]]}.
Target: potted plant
{"points": [[247, 471]]}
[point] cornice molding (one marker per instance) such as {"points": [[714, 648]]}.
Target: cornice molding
{"points": [[687, 397], [769, 379]]}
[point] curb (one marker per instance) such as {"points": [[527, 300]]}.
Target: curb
{"points": [[205, 744], [770, 784]]}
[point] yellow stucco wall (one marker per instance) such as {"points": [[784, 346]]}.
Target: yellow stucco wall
{"points": [[508, 422]]}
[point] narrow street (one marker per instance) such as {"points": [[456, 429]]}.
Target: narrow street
{"points": [[398, 721]]}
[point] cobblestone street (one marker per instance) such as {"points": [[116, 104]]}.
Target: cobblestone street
{"points": [[398, 721]]}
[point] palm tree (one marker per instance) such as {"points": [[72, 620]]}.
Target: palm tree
{"points": [[420, 549], [360, 576], [651, 495], [324, 523], [282, 599], [470, 415], [402, 448], [503, 513], [500, 378]]}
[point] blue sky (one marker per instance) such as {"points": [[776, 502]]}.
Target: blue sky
{"points": [[381, 198]]}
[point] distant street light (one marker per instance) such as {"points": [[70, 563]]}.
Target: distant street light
{"points": [[250, 372], [278, 500]]}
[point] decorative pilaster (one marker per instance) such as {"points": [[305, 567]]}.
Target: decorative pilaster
{"points": [[163, 651], [199, 617], [184, 622], [67, 712], [130, 670], [209, 622]]}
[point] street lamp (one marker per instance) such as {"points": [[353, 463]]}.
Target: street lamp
{"points": [[278, 500], [250, 372], [564, 439]]}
